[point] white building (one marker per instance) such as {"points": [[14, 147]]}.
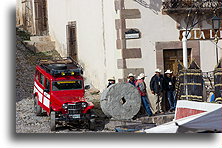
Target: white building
{"points": [[118, 37]]}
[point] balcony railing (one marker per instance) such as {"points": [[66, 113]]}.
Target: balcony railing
{"points": [[204, 5]]}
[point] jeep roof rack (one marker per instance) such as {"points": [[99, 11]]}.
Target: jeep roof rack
{"points": [[64, 66]]}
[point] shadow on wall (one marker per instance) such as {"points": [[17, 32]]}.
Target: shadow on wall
{"points": [[154, 5]]}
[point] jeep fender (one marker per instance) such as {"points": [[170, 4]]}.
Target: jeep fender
{"points": [[55, 107], [90, 106]]}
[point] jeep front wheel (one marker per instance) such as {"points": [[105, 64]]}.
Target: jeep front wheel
{"points": [[92, 124], [38, 109], [52, 121]]}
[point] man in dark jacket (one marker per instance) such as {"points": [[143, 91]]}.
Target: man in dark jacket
{"points": [[157, 87], [132, 80], [111, 81], [169, 86]]}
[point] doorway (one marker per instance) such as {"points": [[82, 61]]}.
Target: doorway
{"points": [[71, 40], [41, 17], [172, 57]]}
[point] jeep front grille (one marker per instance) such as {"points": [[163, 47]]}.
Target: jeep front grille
{"points": [[74, 108]]}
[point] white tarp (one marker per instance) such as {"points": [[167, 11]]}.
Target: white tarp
{"points": [[207, 121]]}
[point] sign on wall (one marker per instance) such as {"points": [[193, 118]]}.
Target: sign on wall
{"points": [[132, 34], [205, 34]]}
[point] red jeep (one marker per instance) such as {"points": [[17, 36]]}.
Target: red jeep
{"points": [[59, 90]]}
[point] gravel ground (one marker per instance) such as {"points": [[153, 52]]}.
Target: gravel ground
{"points": [[26, 120]]}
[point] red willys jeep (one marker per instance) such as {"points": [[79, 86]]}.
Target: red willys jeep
{"points": [[59, 91]]}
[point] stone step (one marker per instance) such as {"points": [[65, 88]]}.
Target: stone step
{"points": [[113, 123], [146, 121], [40, 46], [40, 38], [158, 119]]}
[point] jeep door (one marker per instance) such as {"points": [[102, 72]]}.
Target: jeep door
{"points": [[41, 90], [46, 95]]}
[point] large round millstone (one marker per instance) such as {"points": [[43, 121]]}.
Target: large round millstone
{"points": [[120, 101]]}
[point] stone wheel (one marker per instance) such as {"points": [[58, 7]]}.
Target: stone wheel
{"points": [[121, 101]]}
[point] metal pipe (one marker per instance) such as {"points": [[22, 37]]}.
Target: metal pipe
{"points": [[184, 41], [216, 39], [216, 53]]}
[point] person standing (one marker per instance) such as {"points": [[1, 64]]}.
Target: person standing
{"points": [[111, 81], [157, 87], [132, 80], [170, 82], [141, 86]]}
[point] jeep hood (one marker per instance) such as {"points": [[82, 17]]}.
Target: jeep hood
{"points": [[65, 97]]}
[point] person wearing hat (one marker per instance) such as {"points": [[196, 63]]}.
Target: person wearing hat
{"points": [[170, 82], [141, 86], [132, 80], [111, 81], [157, 87]]}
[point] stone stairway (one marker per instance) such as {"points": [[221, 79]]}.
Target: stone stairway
{"points": [[40, 44]]}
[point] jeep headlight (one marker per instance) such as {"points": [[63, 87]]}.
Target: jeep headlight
{"points": [[84, 104], [65, 106]]}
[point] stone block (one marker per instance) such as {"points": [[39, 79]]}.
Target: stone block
{"points": [[131, 53], [135, 71], [130, 14], [40, 46], [121, 63], [158, 119], [40, 38], [120, 43]]}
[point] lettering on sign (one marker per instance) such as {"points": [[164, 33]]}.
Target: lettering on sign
{"points": [[205, 34]]}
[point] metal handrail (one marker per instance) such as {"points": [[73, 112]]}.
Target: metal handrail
{"points": [[177, 4]]}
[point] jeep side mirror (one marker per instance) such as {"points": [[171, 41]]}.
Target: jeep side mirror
{"points": [[87, 87], [46, 90]]}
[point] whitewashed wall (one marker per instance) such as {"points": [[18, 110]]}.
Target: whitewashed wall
{"points": [[154, 27], [96, 36]]}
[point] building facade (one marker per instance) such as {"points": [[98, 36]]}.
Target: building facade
{"points": [[118, 37]]}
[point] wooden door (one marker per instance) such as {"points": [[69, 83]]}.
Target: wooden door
{"points": [[71, 40], [172, 57], [41, 17]]}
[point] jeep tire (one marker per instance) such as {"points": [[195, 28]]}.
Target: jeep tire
{"points": [[38, 109], [52, 120], [92, 124]]}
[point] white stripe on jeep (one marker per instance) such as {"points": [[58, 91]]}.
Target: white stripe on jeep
{"points": [[46, 102], [40, 89], [47, 95], [40, 97]]}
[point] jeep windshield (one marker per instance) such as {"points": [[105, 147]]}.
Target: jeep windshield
{"points": [[66, 85]]}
